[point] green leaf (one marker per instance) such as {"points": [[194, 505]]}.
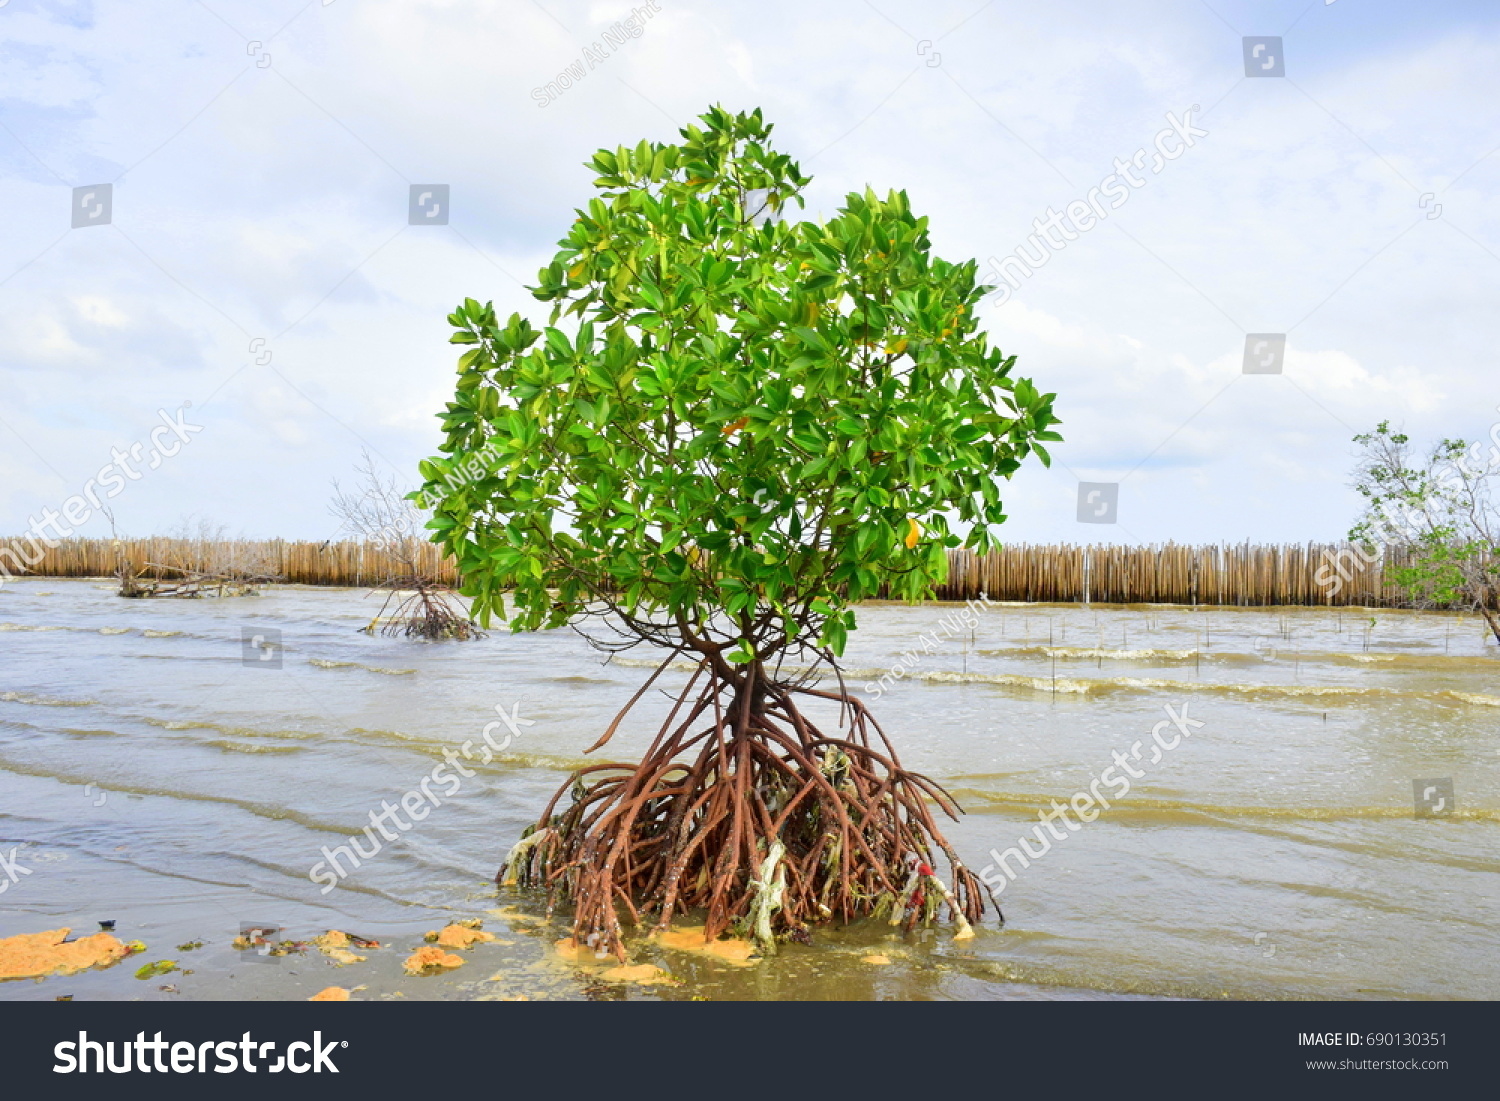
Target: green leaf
{"points": [[651, 294]]}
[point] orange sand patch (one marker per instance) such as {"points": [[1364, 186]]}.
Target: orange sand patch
{"points": [[511, 914], [330, 994], [690, 939], [335, 945], [644, 973], [879, 958], [337, 938], [571, 950], [459, 936], [431, 959], [36, 955]]}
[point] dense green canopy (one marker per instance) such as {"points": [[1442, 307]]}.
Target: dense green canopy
{"points": [[735, 425]]}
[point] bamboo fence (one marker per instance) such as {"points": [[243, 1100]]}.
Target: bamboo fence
{"points": [[344, 563], [1244, 574]]}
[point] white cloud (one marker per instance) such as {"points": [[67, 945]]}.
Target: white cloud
{"points": [[275, 196]]}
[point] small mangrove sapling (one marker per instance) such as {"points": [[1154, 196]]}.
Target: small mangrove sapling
{"points": [[378, 513]]}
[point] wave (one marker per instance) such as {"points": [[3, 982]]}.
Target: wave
{"points": [[1455, 662], [1474, 698], [424, 744], [1092, 653], [45, 701], [1182, 811], [246, 747], [869, 675], [229, 731], [1259, 655], [323, 663], [647, 663], [1101, 685], [148, 633], [859, 679], [269, 811], [1069, 685], [1302, 691]]}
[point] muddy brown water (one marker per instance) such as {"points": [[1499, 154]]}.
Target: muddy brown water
{"points": [[154, 771]]}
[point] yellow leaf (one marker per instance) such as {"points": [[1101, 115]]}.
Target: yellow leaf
{"points": [[731, 429], [913, 534], [897, 348], [575, 271]]}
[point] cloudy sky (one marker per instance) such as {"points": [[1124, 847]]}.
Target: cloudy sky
{"points": [[257, 259]]}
